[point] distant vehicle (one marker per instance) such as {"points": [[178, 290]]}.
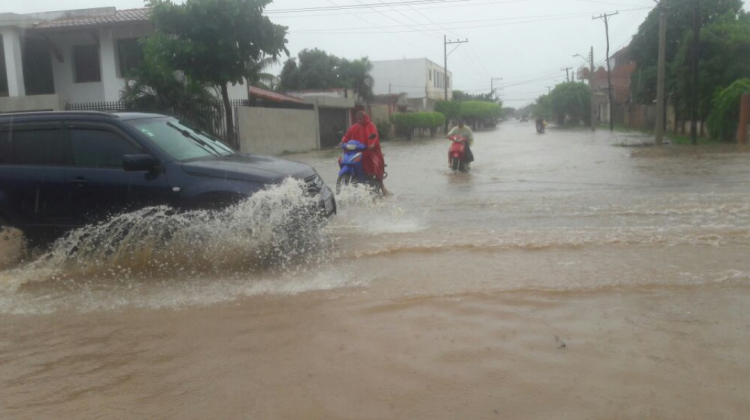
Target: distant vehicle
{"points": [[350, 167], [457, 154], [62, 170], [524, 119]]}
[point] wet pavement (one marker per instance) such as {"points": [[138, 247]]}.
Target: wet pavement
{"points": [[567, 275]]}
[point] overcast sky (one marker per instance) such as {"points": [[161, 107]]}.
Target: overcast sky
{"points": [[525, 42]]}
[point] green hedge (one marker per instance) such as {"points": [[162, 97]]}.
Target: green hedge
{"points": [[478, 113], [724, 118], [421, 121]]}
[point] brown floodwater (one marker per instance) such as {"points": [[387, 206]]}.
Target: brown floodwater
{"points": [[569, 275]]}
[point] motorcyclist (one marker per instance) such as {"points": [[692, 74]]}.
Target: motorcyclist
{"points": [[540, 124], [464, 131], [372, 159]]}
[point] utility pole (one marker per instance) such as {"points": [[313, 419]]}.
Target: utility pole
{"points": [[605, 17], [661, 73], [593, 94], [549, 89], [492, 86], [446, 42], [567, 73], [696, 56]]}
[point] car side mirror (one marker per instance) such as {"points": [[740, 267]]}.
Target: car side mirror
{"points": [[138, 163], [372, 136]]}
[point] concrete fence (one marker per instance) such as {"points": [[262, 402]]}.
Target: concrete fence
{"points": [[273, 131]]}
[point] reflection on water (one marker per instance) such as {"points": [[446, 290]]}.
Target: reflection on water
{"points": [[563, 277]]}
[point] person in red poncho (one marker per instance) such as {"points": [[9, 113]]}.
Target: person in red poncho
{"points": [[372, 159]]}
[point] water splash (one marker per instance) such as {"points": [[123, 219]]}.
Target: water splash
{"points": [[278, 227]]}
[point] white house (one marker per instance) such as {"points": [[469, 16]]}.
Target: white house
{"points": [[419, 78], [51, 59]]}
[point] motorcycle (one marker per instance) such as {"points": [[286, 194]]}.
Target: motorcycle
{"points": [[457, 154], [351, 171], [540, 128]]}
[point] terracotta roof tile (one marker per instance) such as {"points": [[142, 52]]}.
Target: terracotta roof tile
{"points": [[272, 96], [120, 16]]}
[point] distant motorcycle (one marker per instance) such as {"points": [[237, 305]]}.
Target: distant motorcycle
{"points": [[540, 127], [457, 154], [350, 167]]}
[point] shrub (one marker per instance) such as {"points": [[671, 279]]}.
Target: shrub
{"points": [[384, 129], [725, 115], [421, 121]]}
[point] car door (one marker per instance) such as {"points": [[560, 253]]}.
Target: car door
{"points": [[100, 187], [33, 174]]}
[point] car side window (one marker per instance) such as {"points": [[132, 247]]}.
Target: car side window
{"points": [[33, 146], [99, 148], [5, 149]]}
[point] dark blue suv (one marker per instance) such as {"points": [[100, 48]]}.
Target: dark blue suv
{"points": [[61, 170]]}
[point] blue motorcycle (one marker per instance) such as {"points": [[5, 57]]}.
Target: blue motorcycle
{"points": [[351, 171]]}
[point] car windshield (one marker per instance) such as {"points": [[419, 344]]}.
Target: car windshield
{"points": [[179, 140]]}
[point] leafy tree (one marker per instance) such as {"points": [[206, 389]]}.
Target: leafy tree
{"points": [[155, 87], [355, 75], [459, 95], [571, 100], [725, 115], [724, 58], [421, 121], [645, 45], [319, 70], [543, 107], [479, 113], [215, 41], [451, 109]]}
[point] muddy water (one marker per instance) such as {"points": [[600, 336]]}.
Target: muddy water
{"points": [[567, 276]]}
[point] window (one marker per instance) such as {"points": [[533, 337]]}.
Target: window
{"points": [[97, 148], [180, 141], [42, 146], [3, 75], [86, 62], [5, 149], [130, 55]]}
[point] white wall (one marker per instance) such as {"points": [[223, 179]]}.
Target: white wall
{"points": [[238, 91], [404, 76], [64, 73], [274, 131], [410, 76], [31, 103]]}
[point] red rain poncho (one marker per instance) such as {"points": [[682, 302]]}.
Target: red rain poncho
{"points": [[372, 158]]}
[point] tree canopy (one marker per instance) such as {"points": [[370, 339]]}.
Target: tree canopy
{"points": [[569, 101], [645, 47], [724, 58], [316, 69], [459, 95], [215, 41]]}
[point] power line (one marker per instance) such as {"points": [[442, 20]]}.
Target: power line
{"points": [[293, 11], [375, 30]]}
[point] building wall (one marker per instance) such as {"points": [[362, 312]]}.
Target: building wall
{"points": [[418, 78], [435, 86], [109, 88], [31, 103], [274, 131], [64, 72], [403, 76]]}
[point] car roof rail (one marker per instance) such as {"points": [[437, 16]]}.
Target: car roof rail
{"points": [[59, 113]]}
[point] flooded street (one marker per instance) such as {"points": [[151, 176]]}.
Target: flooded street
{"points": [[566, 276]]}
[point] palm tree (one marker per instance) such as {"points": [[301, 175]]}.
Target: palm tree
{"points": [[256, 73]]}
